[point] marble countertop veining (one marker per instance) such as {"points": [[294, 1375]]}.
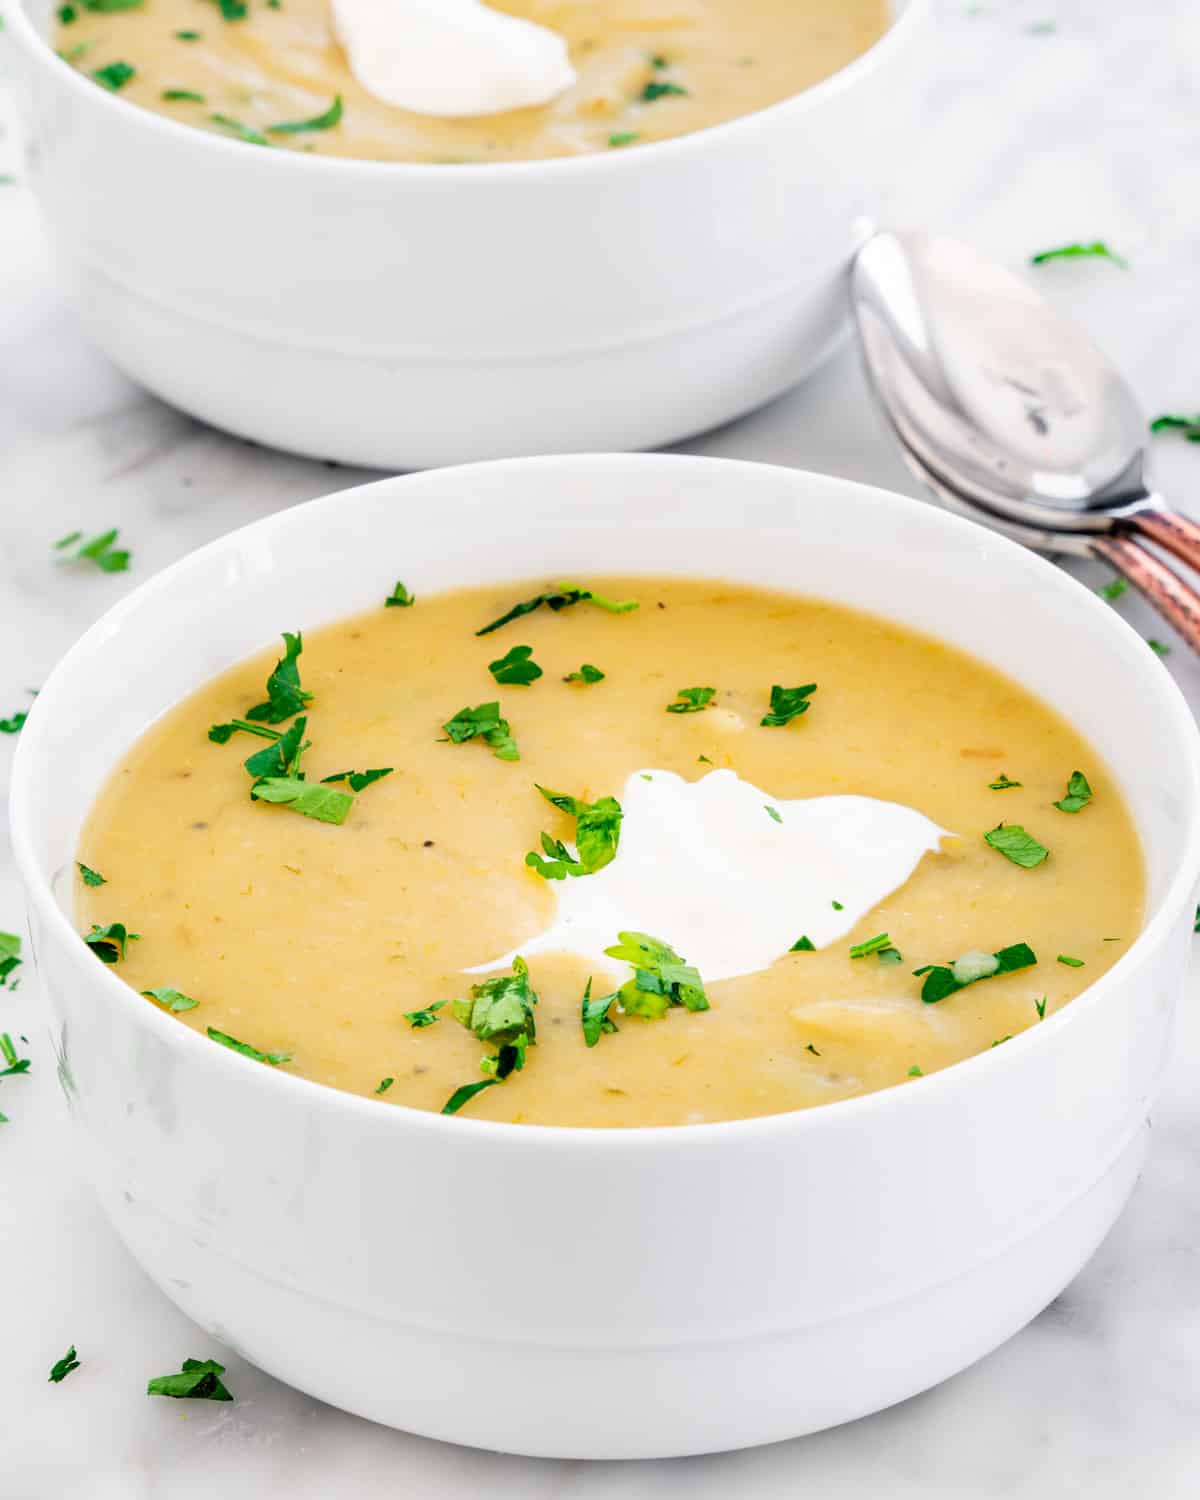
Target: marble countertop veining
{"points": [[1047, 120]]}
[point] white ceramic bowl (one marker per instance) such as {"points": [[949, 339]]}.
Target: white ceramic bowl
{"points": [[410, 315], [630, 1292]]}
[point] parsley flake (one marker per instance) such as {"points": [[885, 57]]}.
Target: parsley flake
{"points": [[1021, 848], [108, 943], [1094, 250], [61, 1368], [419, 1019], [110, 7], [324, 121], [946, 979], [1078, 794], [91, 877], [399, 598], [274, 1058], [623, 137], [313, 800], [587, 673], [772, 812], [483, 722], [285, 696], [1040, 1007], [872, 945], [243, 132], [594, 1015], [465, 1093], [114, 76], [803, 945], [915, 1072], [171, 999], [837, 906], [1188, 427], [358, 781], [231, 10], [1002, 784], [1113, 589], [500, 1011], [659, 88], [516, 668], [198, 1380], [8, 1052], [788, 704], [15, 724], [691, 700], [661, 979], [597, 834], [189, 36], [1160, 648], [384, 1085], [183, 96], [1071, 963], [10, 955], [559, 598], [98, 549]]}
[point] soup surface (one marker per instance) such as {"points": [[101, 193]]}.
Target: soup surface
{"points": [[648, 69], [332, 942]]}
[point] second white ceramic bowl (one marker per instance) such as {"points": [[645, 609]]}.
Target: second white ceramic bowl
{"points": [[404, 316], [624, 1293]]}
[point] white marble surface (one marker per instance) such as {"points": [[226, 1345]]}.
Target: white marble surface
{"points": [[1034, 137]]}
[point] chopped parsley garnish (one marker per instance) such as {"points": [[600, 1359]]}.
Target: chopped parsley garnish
{"points": [[872, 945], [15, 724], [788, 704], [61, 1368], [419, 1019], [243, 132], [1011, 840], [623, 137], [231, 10], [110, 7], [8, 1052], [890, 955], [221, 734], [324, 121], [399, 598], [90, 876], [500, 1011], [274, 1058], [1002, 784], [1078, 794], [1172, 422], [586, 673], [114, 75], [516, 668], [1040, 1007], [171, 999], [1195, 922], [108, 943], [1094, 250], [661, 979], [359, 780], [594, 1015], [660, 88], [1071, 963], [803, 945], [282, 756], [837, 906], [483, 722], [1160, 648], [703, 760], [808, 1047], [1113, 589], [946, 979], [189, 96], [67, 15], [597, 834], [189, 36], [285, 696], [465, 1093], [915, 1072], [1001, 1039], [198, 1380], [10, 955], [559, 598], [773, 813], [98, 549], [691, 700], [384, 1085], [314, 800]]}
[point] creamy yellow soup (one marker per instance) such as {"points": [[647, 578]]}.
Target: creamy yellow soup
{"points": [[330, 942], [648, 70]]}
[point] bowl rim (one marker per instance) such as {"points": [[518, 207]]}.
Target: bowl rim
{"points": [[1179, 893], [19, 25]]}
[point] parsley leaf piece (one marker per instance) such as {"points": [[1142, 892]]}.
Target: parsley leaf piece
{"points": [[1188, 427], [1160, 648], [418, 1019], [399, 598], [67, 15], [1071, 963], [890, 955], [98, 549], [661, 979], [274, 1058], [1093, 250], [282, 756], [559, 598], [285, 696], [1040, 1007], [243, 132], [597, 835], [114, 76], [188, 36], [587, 673], [872, 945], [465, 1094], [483, 722], [61, 1368], [231, 10], [91, 877], [359, 780], [946, 979], [108, 943], [837, 906], [1011, 840], [171, 999], [803, 945], [1196, 921], [788, 704], [10, 955], [221, 734], [660, 89], [516, 668], [324, 121], [1003, 784], [15, 724], [9, 1053], [624, 137], [183, 96], [198, 1380], [773, 813], [691, 700], [915, 1072], [384, 1085], [1113, 589], [110, 7], [314, 800], [1078, 794], [500, 1011], [594, 1014]]}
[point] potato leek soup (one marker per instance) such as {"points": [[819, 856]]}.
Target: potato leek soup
{"points": [[456, 80], [617, 851]]}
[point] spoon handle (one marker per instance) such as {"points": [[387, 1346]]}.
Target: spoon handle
{"points": [[1174, 533], [1175, 600]]}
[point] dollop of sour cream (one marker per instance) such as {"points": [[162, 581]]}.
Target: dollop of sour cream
{"points": [[451, 57], [730, 876]]}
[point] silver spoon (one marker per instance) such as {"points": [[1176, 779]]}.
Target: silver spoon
{"points": [[1012, 415]]}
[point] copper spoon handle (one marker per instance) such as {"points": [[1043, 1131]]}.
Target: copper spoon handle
{"points": [[1175, 600], [1174, 533]]}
